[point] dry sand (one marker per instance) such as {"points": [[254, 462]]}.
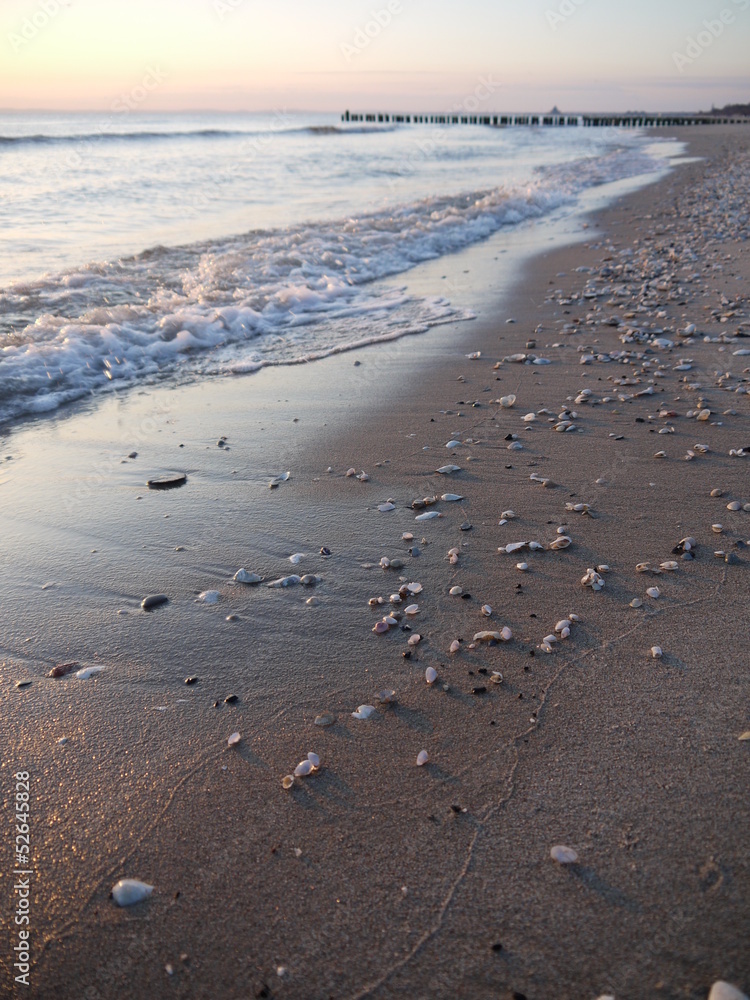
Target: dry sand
{"points": [[373, 877]]}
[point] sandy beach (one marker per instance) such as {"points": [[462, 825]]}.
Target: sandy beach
{"points": [[374, 877]]}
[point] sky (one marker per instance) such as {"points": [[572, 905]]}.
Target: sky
{"points": [[392, 55]]}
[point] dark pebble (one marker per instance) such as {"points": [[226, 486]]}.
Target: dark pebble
{"points": [[133, 454], [479, 690], [154, 601], [456, 809], [465, 597], [466, 526], [191, 680], [231, 699], [406, 654], [497, 946], [61, 669], [167, 482], [325, 551]]}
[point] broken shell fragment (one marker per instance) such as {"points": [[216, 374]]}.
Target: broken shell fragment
{"points": [[496, 677], [446, 470], [325, 719], [286, 581], [242, 576], [386, 697], [561, 542], [653, 592], [428, 516], [563, 855], [422, 758], [725, 991], [128, 891], [364, 712], [384, 507]]}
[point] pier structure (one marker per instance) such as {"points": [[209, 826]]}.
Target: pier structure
{"points": [[554, 119]]}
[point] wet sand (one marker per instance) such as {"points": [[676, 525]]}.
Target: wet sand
{"points": [[374, 877]]}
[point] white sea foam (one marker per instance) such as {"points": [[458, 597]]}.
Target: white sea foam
{"points": [[280, 295]]}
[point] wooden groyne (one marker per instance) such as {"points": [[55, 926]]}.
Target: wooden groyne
{"points": [[498, 121]]}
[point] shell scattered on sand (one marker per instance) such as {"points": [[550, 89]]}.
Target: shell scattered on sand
{"points": [[422, 758], [722, 990], [364, 712], [233, 740], [324, 719], [129, 891], [209, 597], [430, 675], [86, 672], [563, 855], [242, 576]]}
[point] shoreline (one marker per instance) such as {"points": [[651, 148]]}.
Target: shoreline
{"points": [[634, 762]]}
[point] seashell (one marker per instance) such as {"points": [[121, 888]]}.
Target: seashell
{"points": [[309, 580], [725, 991], [668, 567], [395, 598], [454, 646], [412, 609], [233, 740], [636, 603], [414, 588], [656, 652], [565, 633], [451, 497], [285, 581], [574, 618], [418, 504], [209, 597], [428, 516], [515, 446], [563, 855], [86, 672], [128, 891], [351, 472], [523, 567], [515, 547], [374, 601], [509, 515], [536, 546], [734, 505], [304, 768], [325, 719], [154, 601], [717, 528], [61, 669], [242, 576], [385, 562], [660, 454], [407, 537], [430, 675], [488, 637], [312, 602], [453, 552], [455, 591], [529, 418], [653, 592], [592, 579], [602, 568], [364, 712], [486, 610], [287, 781], [563, 624], [561, 542], [496, 677], [422, 758], [296, 558], [386, 697], [381, 627], [704, 415], [314, 759], [414, 640], [363, 477], [392, 619], [446, 470], [507, 401], [453, 444], [386, 507], [550, 639], [717, 493]]}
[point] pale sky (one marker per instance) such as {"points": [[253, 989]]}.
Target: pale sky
{"points": [[327, 55]]}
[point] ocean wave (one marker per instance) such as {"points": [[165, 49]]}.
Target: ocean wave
{"points": [[264, 297]]}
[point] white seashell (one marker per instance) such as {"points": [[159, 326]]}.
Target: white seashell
{"points": [[453, 552], [128, 891], [563, 624], [563, 855], [285, 581], [515, 446], [450, 497], [507, 401], [414, 588], [529, 418], [496, 677], [428, 516], [412, 609], [656, 652], [395, 598], [209, 597], [486, 610], [515, 547], [364, 712], [86, 672], [430, 675], [734, 505], [550, 639], [668, 567], [603, 568], [242, 576], [363, 477], [636, 603], [233, 740], [422, 758], [407, 536], [455, 646], [446, 470], [304, 768], [453, 444], [296, 558], [374, 601], [287, 781], [414, 640], [561, 542], [390, 620], [574, 618], [384, 507], [536, 546], [725, 991], [314, 759], [455, 591], [380, 627], [522, 566], [508, 515], [565, 633], [653, 592], [385, 562], [351, 472]]}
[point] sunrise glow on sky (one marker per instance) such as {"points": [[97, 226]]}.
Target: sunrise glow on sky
{"points": [[325, 55]]}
